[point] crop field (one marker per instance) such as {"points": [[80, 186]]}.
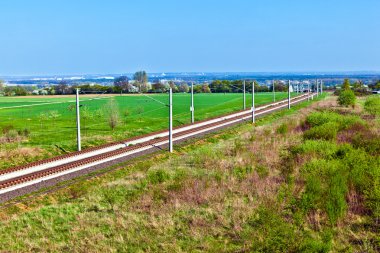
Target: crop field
{"points": [[49, 122]]}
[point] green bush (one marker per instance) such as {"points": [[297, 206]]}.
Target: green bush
{"points": [[372, 105], [344, 121], [320, 148], [347, 98], [325, 188], [242, 172], [368, 141], [320, 118], [327, 131], [158, 176], [282, 129], [269, 232]]}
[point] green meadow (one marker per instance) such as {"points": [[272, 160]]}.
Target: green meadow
{"points": [[49, 123]]}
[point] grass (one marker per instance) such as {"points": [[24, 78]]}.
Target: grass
{"points": [[50, 129], [225, 193]]}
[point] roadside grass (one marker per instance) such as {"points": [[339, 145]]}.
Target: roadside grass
{"points": [[241, 190], [51, 128]]}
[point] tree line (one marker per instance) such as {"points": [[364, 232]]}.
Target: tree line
{"points": [[139, 83]]}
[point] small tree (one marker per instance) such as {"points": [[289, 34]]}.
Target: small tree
{"points": [[86, 114], [54, 115], [347, 98], [111, 112], [42, 117], [346, 84]]}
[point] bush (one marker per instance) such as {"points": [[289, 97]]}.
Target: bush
{"points": [[320, 118], [347, 98], [372, 105], [368, 141], [320, 148], [282, 129], [325, 188], [268, 231], [327, 131], [343, 121], [158, 176]]}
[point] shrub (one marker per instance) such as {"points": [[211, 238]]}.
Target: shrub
{"points": [[325, 188], [7, 128], [268, 231], [12, 135], [282, 129], [275, 234], [327, 131], [319, 148], [368, 141], [111, 111], [320, 118], [372, 105], [344, 121], [242, 172], [347, 98], [158, 176]]}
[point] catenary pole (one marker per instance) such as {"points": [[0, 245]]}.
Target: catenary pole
{"points": [[289, 94], [78, 120], [308, 91], [274, 94], [321, 87], [192, 103], [170, 120], [253, 102], [316, 85], [244, 105]]}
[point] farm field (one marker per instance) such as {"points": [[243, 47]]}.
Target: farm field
{"points": [[50, 123]]}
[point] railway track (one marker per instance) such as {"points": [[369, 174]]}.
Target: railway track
{"points": [[22, 179]]}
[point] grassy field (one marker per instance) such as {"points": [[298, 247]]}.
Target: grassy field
{"points": [[50, 123], [297, 182]]}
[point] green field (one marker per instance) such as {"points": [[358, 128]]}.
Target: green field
{"points": [[50, 123]]}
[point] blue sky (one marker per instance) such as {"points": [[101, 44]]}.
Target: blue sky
{"points": [[114, 36]]}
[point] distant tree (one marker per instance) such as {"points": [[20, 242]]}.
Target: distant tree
{"points": [[377, 86], [1, 86], [141, 78], [282, 87], [358, 85], [121, 84], [346, 84], [183, 87], [158, 87], [63, 88], [145, 87], [173, 86], [198, 88], [219, 86], [206, 88], [20, 91]]}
